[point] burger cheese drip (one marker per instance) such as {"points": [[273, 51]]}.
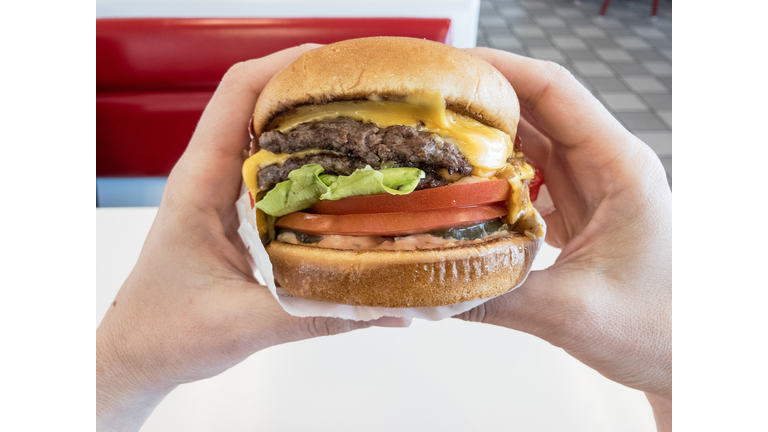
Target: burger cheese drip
{"points": [[521, 209], [489, 150]]}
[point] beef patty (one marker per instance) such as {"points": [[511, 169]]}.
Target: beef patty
{"points": [[273, 174], [363, 144]]}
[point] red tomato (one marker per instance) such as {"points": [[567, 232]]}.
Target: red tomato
{"points": [[463, 195], [390, 224], [535, 184]]}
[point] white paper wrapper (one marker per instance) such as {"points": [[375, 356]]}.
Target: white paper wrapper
{"points": [[303, 307]]}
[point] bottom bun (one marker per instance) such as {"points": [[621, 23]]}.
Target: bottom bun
{"points": [[403, 279]]}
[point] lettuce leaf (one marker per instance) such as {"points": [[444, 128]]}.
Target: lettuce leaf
{"points": [[302, 190], [367, 181], [328, 179], [305, 187]]}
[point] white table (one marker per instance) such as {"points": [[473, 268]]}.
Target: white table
{"points": [[463, 13], [448, 375]]}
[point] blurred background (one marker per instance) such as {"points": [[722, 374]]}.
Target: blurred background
{"points": [[158, 62], [624, 57]]}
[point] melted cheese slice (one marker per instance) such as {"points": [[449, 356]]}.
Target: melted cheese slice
{"points": [[486, 148], [519, 201]]}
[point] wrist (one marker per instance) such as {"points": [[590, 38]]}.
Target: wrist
{"points": [[122, 412], [662, 411], [125, 394]]}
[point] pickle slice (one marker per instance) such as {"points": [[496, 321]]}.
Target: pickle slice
{"points": [[306, 238], [473, 232]]}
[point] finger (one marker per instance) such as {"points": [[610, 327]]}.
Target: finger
{"points": [[563, 108], [509, 310], [534, 144], [557, 229], [529, 308], [209, 172], [268, 324]]}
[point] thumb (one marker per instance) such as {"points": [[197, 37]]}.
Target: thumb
{"points": [[537, 307], [268, 324], [325, 326]]}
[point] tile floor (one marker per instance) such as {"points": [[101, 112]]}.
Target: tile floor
{"points": [[624, 59]]}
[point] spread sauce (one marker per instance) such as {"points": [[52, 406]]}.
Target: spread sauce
{"points": [[411, 242]]}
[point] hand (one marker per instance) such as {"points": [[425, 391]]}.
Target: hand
{"points": [[191, 308], [607, 299]]}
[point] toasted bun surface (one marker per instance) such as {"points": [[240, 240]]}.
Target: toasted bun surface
{"points": [[403, 279], [391, 67]]}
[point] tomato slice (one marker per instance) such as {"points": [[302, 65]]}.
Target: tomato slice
{"points": [[535, 185], [462, 195], [391, 224]]}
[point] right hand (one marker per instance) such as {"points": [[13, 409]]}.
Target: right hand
{"points": [[607, 300]]}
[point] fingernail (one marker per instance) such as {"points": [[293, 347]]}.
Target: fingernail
{"points": [[393, 322]]}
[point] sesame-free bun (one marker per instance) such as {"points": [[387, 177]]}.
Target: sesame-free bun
{"points": [[391, 67], [403, 279]]}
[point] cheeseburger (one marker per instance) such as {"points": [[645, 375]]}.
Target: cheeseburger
{"points": [[384, 172]]}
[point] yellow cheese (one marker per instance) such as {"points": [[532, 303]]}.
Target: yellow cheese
{"points": [[264, 158], [486, 148], [519, 202]]}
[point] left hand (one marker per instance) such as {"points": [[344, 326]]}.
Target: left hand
{"points": [[191, 308]]}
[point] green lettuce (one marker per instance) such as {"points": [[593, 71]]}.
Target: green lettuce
{"points": [[302, 190], [367, 181], [328, 179], [305, 187]]}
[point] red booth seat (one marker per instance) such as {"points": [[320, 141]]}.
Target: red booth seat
{"points": [[154, 77]]}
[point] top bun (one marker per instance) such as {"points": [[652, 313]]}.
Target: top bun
{"points": [[391, 67]]}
